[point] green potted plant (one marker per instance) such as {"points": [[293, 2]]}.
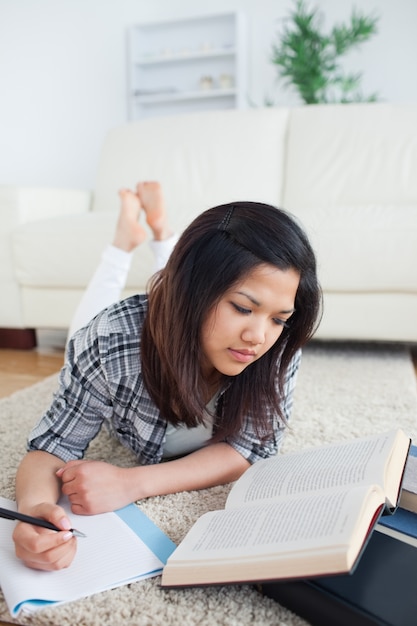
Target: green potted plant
{"points": [[308, 58]]}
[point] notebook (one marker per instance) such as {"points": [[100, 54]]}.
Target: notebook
{"points": [[119, 548]]}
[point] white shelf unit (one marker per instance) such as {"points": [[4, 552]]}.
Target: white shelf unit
{"points": [[187, 65]]}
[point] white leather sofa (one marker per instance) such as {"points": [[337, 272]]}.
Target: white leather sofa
{"points": [[348, 172]]}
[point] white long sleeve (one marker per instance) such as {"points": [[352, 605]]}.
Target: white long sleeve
{"points": [[104, 287], [162, 250], [109, 279]]}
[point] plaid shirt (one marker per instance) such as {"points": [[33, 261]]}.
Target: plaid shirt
{"points": [[102, 383]]}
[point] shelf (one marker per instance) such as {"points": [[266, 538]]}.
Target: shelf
{"points": [[186, 95], [192, 56], [170, 63]]}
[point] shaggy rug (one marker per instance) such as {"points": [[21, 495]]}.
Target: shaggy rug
{"points": [[343, 391]]}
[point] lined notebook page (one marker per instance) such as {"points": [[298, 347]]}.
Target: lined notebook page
{"points": [[111, 555]]}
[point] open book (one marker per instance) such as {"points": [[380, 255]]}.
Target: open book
{"points": [[295, 516], [119, 548]]}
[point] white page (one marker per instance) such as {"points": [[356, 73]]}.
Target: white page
{"points": [[410, 476], [282, 528], [310, 471], [109, 556]]}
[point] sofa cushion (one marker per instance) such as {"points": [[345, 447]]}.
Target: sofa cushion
{"points": [[351, 155], [368, 248], [201, 159]]}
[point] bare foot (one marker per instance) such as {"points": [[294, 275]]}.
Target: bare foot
{"points": [[153, 203], [129, 233]]}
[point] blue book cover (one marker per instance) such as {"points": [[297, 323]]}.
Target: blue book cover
{"points": [[403, 521]]}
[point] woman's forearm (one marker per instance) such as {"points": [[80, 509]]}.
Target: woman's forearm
{"points": [[36, 481], [95, 487], [213, 465]]}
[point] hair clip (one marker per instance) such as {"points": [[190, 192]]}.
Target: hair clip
{"points": [[224, 224]]}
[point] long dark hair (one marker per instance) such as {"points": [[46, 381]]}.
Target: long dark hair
{"points": [[218, 249]]}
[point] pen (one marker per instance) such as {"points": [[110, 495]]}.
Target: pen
{"points": [[13, 515]]}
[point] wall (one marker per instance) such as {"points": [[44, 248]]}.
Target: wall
{"points": [[63, 74]]}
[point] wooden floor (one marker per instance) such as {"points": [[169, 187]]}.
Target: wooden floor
{"points": [[19, 369], [22, 368]]}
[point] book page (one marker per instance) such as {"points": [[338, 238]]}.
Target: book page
{"points": [[356, 462], [112, 554], [289, 526], [410, 476]]}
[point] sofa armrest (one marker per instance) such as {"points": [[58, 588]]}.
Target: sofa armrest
{"points": [[20, 205], [26, 204]]}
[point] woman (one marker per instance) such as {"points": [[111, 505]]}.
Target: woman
{"points": [[200, 373]]}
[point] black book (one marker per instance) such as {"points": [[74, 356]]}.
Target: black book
{"points": [[382, 590]]}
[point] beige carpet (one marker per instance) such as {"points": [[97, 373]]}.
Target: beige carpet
{"points": [[343, 391]]}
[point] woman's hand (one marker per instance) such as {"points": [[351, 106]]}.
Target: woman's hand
{"points": [[94, 486], [44, 549]]}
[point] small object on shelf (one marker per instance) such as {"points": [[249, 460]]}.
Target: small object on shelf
{"points": [[206, 46], [226, 81], [155, 92], [206, 82]]}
